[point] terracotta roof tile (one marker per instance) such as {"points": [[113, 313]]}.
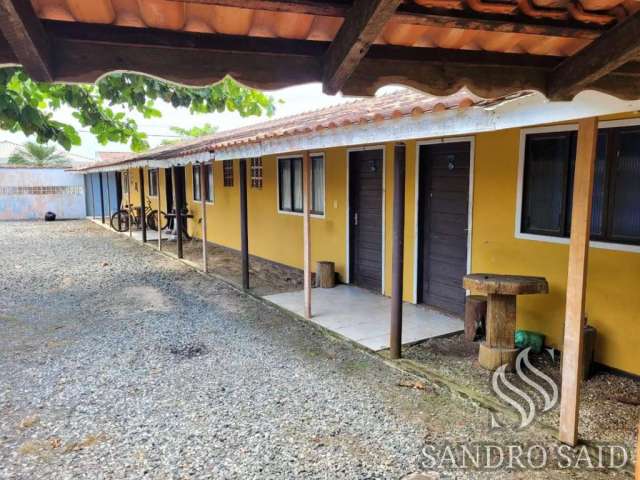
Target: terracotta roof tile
{"points": [[377, 109]]}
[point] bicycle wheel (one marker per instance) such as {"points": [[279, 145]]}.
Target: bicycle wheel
{"points": [[120, 221], [153, 221]]}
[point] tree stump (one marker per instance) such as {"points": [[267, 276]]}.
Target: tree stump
{"points": [[475, 314], [325, 275]]}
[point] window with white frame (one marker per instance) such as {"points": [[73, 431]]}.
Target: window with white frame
{"points": [[290, 184], [208, 187], [153, 182], [195, 176], [547, 185], [125, 183]]}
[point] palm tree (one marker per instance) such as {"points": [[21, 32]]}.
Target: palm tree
{"points": [[37, 155]]}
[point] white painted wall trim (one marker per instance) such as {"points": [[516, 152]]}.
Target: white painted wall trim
{"points": [[518, 234], [520, 112]]}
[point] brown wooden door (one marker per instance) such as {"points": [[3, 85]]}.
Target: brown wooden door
{"points": [[365, 218], [444, 210]]}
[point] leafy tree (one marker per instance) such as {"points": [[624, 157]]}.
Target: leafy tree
{"points": [[35, 154], [28, 106], [193, 132]]}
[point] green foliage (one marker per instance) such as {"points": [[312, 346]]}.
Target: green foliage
{"points": [[35, 154], [193, 132], [28, 106]]}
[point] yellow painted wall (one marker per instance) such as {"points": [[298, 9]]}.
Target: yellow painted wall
{"points": [[134, 186], [613, 303], [279, 236], [613, 306]]}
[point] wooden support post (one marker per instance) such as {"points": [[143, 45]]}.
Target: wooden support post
{"points": [[143, 214], [159, 210], [395, 339], [101, 197], [306, 223], [203, 198], [177, 206], [108, 195], [244, 228], [93, 201], [129, 206], [577, 280]]}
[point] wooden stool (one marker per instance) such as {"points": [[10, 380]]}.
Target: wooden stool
{"points": [[475, 315], [326, 275]]}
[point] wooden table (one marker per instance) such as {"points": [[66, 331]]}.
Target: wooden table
{"points": [[501, 290]]}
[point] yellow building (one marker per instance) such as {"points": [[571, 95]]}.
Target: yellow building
{"points": [[487, 189]]}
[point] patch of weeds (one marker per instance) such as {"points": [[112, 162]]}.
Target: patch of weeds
{"points": [[355, 366], [87, 442], [30, 421]]}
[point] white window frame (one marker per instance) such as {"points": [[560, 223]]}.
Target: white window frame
{"points": [[157, 175], [622, 247], [213, 183], [195, 167], [324, 184], [125, 182]]}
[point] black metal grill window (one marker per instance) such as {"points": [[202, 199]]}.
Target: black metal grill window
{"points": [[227, 173], [256, 172]]}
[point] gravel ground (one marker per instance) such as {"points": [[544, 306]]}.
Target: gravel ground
{"points": [[609, 403], [117, 362]]}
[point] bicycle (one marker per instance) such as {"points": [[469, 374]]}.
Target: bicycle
{"points": [[129, 214]]}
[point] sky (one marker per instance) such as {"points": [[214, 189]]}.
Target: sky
{"points": [[296, 99]]}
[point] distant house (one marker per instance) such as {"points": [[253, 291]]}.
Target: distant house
{"points": [[28, 192]]}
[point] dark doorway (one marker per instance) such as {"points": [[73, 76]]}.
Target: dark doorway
{"points": [[365, 218], [180, 187], [168, 188], [443, 224]]}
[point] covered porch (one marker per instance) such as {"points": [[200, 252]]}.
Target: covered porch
{"points": [[363, 316]]}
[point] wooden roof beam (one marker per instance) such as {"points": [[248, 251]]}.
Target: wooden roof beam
{"points": [[361, 27], [23, 31], [612, 50], [410, 14]]}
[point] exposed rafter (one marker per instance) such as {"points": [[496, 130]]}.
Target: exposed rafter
{"points": [[86, 52], [415, 15], [23, 31], [361, 27], [613, 49]]}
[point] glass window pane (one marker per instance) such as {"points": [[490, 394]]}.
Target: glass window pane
{"points": [[285, 184], [209, 185], [297, 184], [317, 181], [599, 188], [545, 183], [625, 211], [196, 182]]}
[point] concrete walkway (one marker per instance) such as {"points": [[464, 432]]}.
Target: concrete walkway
{"points": [[363, 316]]}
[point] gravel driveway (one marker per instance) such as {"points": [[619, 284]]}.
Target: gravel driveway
{"points": [[117, 362]]}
